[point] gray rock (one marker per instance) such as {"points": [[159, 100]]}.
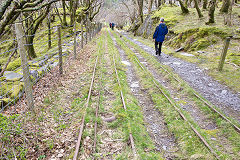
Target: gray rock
{"points": [[200, 52], [224, 92], [135, 85], [53, 64], [177, 63], [56, 56], [164, 147], [187, 54], [12, 76], [210, 84], [64, 54], [42, 63], [34, 73], [179, 49]]}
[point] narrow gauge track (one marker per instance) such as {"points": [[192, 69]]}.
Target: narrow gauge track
{"points": [[125, 108], [97, 109], [178, 110], [204, 101], [84, 115]]}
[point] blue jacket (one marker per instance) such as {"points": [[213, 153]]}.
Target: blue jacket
{"points": [[160, 32]]}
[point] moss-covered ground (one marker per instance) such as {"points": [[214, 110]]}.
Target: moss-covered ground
{"points": [[42, 50]]}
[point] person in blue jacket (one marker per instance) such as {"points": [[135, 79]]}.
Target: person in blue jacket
{"points": [[159, 36], [113, 25]]}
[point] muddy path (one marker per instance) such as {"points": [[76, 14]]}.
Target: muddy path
{"points": [[201, 118], [218, 94], [156, 127]]}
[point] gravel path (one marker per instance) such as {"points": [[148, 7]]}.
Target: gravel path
{"points": [[216, 93]]}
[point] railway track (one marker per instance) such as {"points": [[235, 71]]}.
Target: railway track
{"points": [[201, 99], [169, 98], [84, 115], [180, 113], [125, 108], [78, 144]]}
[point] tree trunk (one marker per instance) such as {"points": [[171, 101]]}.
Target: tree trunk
{"points": [[225, 6], [150, 2], [159, 3], [64, 13], [49, 31], [229, 19], [197, 8], [211, 12], [183, 8], [205, 2], [30, 47], [140, 9], [186, 3]]}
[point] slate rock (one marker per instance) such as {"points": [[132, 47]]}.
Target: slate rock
{"points": [[12, 76], [179, 49], [210, 84], [224, 92], [187, 54], [34, 73], [53, 64], [200, 52]]}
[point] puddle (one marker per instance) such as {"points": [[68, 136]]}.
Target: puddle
{"points": [[144, 62], [177, 63], [126, 63], [135, 85]]}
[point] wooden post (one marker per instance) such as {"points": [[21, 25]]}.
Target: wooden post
{"points": [[49, 32], [60, 49], [75, 41], [90, 31], [86, 26], [224, 53], [82, 33], [24, 63]]}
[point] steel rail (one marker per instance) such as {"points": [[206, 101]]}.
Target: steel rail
{"points": [[83, 118], [96, 113], [205, 102], [125, 108]]}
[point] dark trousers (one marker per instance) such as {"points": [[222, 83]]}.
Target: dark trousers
{"points": [[158, 47]]}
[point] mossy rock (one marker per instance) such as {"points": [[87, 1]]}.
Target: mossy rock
{"points": [[14, 65], [4, 101], [2, 79], [16, 90], [197, 157]]}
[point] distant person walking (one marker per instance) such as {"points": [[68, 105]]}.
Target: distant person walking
{"points": [[159, 36], [113, 26], [110, 25]]}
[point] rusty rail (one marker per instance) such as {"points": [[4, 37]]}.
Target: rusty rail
{"points": [[83, 118], [125, 108]]}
